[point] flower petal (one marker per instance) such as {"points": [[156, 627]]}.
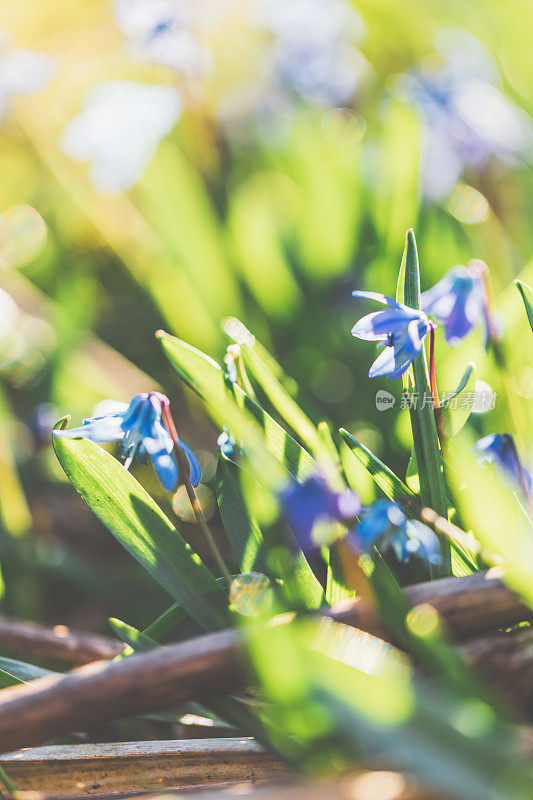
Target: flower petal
{"points": [[195, 474], [380, 298], [104, 429]]}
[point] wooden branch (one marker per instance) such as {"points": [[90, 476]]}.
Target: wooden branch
{"points": [[505, 659], [69, 771], [59, 643], [36, 713], [468, 605]]}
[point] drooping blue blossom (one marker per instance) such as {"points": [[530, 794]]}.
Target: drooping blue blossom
{"points": [[500, 449], [313, 503], [21, 72], [467, 118], [385, 525], [459, 302], [164, 32], [400, 330], [140, 430], [119, 129]]}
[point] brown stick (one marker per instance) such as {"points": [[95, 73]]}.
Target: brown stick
{"points": [[51, 706], [468, 606], [34, 713], [59, 642], [102, 770], [505, 659]]}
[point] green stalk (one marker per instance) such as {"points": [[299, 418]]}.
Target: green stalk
{"points": [[423, 424]]}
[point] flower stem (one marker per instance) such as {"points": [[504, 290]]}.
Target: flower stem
{"points": [[433, 386], [193, 497]]}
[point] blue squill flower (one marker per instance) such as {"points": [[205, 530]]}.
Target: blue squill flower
{"points": [[459, 302], [500, 449], [468, 119], [399, 329], [309, 505], [139, 429], [385, 525]]}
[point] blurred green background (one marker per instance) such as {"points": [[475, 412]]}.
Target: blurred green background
{"points": [[296, 144]]}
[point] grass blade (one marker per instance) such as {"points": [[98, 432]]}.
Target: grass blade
{"points": [[425, 438], [140, 526]]}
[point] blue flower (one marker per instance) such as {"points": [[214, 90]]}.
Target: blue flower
{"points": [[313, 503], [385, 525], [314, 53], [459, 302], [140, 430], [399, 329], [467, 118], [500, 449]]}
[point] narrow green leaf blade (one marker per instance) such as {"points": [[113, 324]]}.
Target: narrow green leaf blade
{"points": [[527, 296], [140, 526], [13, 672], [226, 403], [244, 535], [455, 408], [138, 642], [424, 428], [386, 479]]}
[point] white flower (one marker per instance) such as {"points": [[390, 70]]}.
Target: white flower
{"points": [[164, 32], [119, 130], [21, 72]]}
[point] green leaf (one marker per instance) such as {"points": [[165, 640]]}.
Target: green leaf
{"points": [[281, 400], [425, 438], [386, 479], [13, 672], [455, 414], [167, 622], [131, 515], [251, 549], [138, 642], [243, 533], [527, 296], [227, 403], [492, 510]]}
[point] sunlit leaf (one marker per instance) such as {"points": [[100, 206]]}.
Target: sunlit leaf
{"points": [[388, 482], [141, 527], [137, 641], [455, 408], [425, 438], [527, 296]]}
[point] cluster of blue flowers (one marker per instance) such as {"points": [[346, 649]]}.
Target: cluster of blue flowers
{"points": [[312, 504], [459, 302], [139, 429]]}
